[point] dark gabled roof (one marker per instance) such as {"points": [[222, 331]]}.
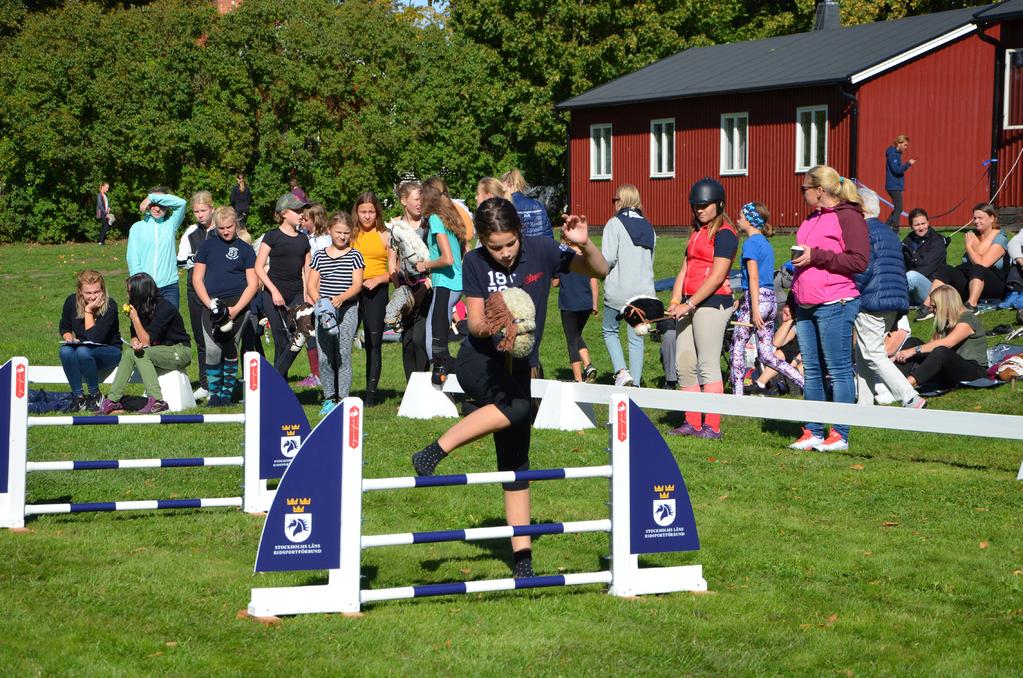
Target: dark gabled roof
{"points": [[801, 60], [1010, 9]]}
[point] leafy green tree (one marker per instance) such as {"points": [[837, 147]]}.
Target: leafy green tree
{"points": [[345, 96]]}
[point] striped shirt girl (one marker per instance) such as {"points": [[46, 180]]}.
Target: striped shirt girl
{"points": [[336, 272]]}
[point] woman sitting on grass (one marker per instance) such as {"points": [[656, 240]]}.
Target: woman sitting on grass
{"points": [[158, 342], [91, 340], [985, 265], [956, 352]]}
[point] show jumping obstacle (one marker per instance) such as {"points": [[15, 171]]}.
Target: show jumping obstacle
{"points": [[273, 420], [315, 522]]}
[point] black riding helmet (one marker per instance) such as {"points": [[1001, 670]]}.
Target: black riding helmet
{"points": [[706, 191]]}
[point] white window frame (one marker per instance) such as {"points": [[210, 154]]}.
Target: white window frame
{"points": [[734, 165], [659, 155], [812, 110], [1005, 90], [599, 154]]}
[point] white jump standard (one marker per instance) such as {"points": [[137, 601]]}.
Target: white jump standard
{"points": [[315, 521], [274, 425]]}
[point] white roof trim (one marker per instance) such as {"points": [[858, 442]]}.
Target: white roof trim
{"points": [[913, 53]]}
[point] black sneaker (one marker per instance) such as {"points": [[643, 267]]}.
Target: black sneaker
{"points": [[523, 569], [923, 313], [972, 308], [78, 403], [92, 402], [590, 374]]}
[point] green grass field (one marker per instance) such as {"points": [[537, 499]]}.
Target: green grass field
{"points": [[902, 556]]}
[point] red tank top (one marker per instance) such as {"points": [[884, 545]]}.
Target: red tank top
{"points": [[700, 259]]}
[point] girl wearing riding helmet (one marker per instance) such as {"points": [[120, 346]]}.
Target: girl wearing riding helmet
{"points": [[499, 383], [373, 241], [701, 302], [832, 246]]}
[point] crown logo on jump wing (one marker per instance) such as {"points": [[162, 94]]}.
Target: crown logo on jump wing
{"points": [[298, 504], [664, 491]]}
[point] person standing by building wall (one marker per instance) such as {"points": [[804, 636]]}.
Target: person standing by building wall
{"points": [[894, 176]]}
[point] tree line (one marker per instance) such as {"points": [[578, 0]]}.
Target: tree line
{"points": [[346, 96]]}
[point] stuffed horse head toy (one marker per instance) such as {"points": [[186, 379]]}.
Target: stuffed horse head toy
{"points": [[511, 316], [403, 299], [300, 322], [409, 247], [641, 312]]}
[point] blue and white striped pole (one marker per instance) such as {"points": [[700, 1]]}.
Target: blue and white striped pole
{"points": [[110, 464], [484, 586], [137, 419], [144, 505], [479, 533]]}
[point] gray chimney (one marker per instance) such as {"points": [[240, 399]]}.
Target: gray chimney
{"points": [[827, 16]]}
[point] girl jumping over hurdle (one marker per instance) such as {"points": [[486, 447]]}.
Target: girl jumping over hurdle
{"points": [[499, 383], [759, 304]]}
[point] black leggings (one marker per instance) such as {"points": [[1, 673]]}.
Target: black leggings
{"points": [[277, 315], [413, 338], [943, 367], [195, 309], [960, 277], [574, 322], [440, 326], [372, 308]]}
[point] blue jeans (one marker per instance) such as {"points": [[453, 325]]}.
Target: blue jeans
{"points": [[610, 329], [825, 340], [919, 287], [88, 362], [172, 294]]}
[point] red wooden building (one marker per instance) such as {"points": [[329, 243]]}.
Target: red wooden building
{"points": [[756, 115]]}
